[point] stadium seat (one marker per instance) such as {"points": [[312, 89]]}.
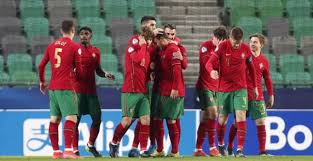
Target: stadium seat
{"points": [[19, 62], [240, 8], [39, 44], [47, 69], [7, 8], [298, 79], [10, 26], [276, 26], [13, 44], [109, 62], [59, 9], [302, 27], [272, 60], [121, 27], [23, 78], [31, 8], [105, 82], [36, 27], [282, 45], [277, 79], [298, 9], [306, 45], [97, 25], [291, 63], [310, 64], [115, 9], [250, 25], [269, 8], [140, 8], [1, 63], [90, 8], [104, 43]]}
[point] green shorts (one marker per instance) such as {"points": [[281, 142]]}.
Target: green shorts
{"points": [[135, 105], [207, 98], [229, 102], [170, 109], [256, 110], [63, 103], [89, 104]]}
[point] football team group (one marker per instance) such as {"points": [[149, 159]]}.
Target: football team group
{"points": [[229, 82]]}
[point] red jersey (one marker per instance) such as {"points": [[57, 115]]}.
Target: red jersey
{"points": [[137, 61], [183, 52], [61, 54], [87, 61], [262, 67], [205, 81], [170, 72], [233, 64]]}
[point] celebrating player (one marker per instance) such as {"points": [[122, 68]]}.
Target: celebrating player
{"points": [[63, 101], [234, 57], [256, 107], [87, 63], [207, 91]]}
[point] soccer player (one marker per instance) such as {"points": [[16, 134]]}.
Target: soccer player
{"points": [[63, 101], [207, 91], [234, 57], [135, 100], [171, 91], [256, 107], [87, 64]]}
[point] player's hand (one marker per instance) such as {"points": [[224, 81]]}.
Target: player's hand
{"points": [[178, 55], [158, 31], [270, 102], [256, 92], [214, 74], [152, 76], [174, 94], [43, 87], [109, 76]]}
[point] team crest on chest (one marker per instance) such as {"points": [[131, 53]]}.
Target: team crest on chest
{"points": [[93, 55], [243, 55], [79, 51]]}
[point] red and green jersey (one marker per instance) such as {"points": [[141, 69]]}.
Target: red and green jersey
{"points": [[137, 61], [87, 61], [262, 67], [205, 81], [61, 55], [171, 76], [232, 66]]}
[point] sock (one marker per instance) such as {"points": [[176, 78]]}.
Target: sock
{"points": [[261, 137], [136, 137], [241, 134], [159, 128], [201, 134], [75, 138], [211, 128], [54, 135], [68, 132], [119, 133], [143, 136], [231, 136], [94, 131], [220, 133], [179, 129], [152, 132], [174, 133]]}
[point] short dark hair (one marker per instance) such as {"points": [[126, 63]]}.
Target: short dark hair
{"points": [[170, 26], [85, 28], [144, 19], [67, 26], [260, 37], [220, 33], [236, 33], [162, 36]]}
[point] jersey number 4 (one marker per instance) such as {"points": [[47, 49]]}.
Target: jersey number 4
{"points": [[57, 57]]}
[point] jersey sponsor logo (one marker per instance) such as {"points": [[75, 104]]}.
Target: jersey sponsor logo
{"points": [[79, 51], [204, 49], [135, 41], [130, 50]]}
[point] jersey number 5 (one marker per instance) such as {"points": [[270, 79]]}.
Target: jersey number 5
{"points": [[57, 57]]}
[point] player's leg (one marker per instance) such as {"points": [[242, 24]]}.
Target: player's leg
{"points": [[203, 127], [212, 112], [224, 108], [144, 117], [159, 126], [240, 107], [76, 136], [134, 152], [231, 138]]}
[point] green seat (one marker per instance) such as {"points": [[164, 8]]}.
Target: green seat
{"points": [[302, 27], [272, 60], [84, 8], [105, 82], [143, 8], [4, 78], [97, 25], [36, 27], [133, 4], [23, 78], [269, 8], [277, 79], [47, 69], [298, 79], [310, 64], [109, 62], [250, 25], [19, 62], [104, 43], [31, 8], [1, 63], [240, 8], [298, 9], [291, 63], [115, 9]]}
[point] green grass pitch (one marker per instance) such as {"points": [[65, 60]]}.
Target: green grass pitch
{"points": [[249, 158]]}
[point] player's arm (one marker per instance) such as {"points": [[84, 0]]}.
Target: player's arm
{"points": [[252, 75], [41, 70], [137, 49], [215, 56], [269, 85], [182, 56], [177, 76]]}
